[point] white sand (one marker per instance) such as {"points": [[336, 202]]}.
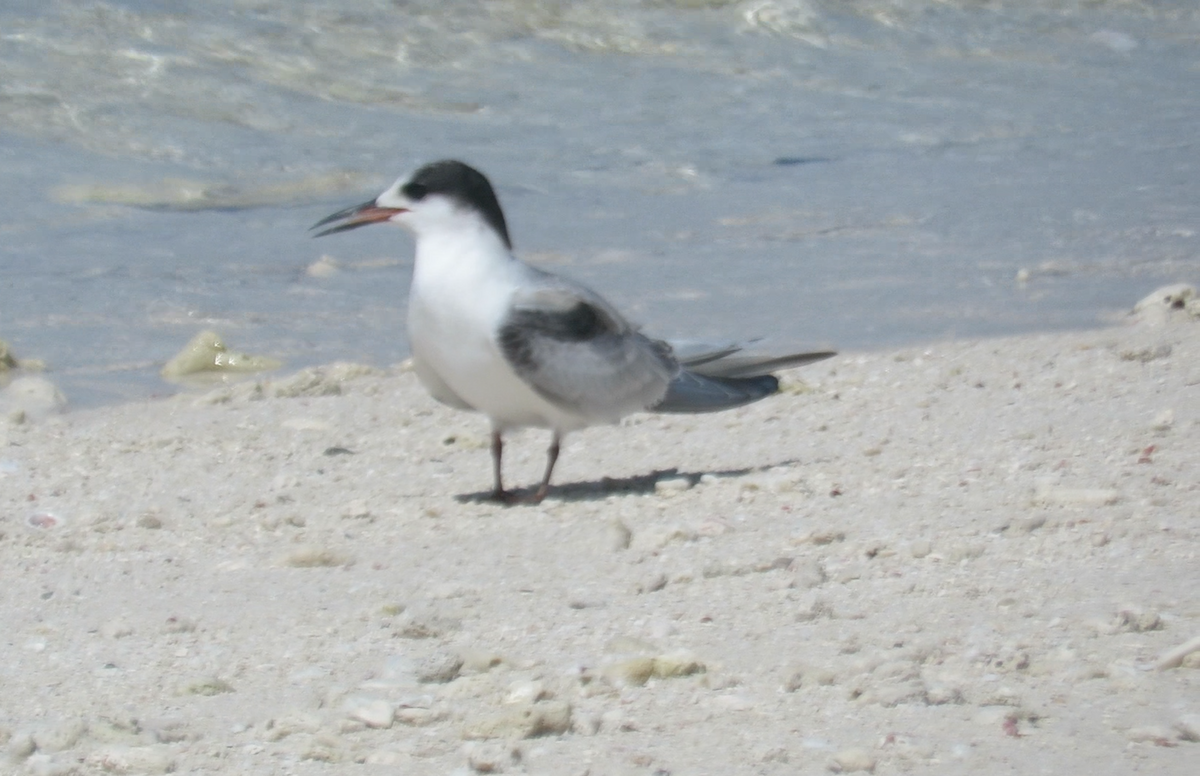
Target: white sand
{"points": [[960, 558]]}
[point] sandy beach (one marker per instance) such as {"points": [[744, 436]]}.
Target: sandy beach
{"points": [[974, 556]]}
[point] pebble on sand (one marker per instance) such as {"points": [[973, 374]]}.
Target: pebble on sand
{"points": [[672, 486], [207, 685], [1188, 728], [206, 353], [532, 720], [851, 760], [491, 758], [439, 668], [132, 759], [1175, 657], [1049, 494], [32, 396], [629, 672], [315, 557], [676, 663], [372, 712], [61, 736], [618, 535]]}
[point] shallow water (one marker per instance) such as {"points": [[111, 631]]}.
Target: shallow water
{"points": [[851, 173]]}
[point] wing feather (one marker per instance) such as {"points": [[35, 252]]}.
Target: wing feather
{"points": [[577, 352]]}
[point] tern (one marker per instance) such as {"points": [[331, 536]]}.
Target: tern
{"points": [[492, 334]]}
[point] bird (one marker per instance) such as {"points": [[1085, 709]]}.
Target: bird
{"points": [[492, 334]]}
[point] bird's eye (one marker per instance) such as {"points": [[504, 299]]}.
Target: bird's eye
{"points": [[414, 191]]}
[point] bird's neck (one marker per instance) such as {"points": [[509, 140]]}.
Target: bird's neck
{"points": [[460, 255]]}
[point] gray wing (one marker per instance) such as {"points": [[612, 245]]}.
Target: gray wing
{"points": [[578, 352]]}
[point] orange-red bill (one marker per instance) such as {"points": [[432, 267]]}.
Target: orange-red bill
{"points": [[356, 216]]}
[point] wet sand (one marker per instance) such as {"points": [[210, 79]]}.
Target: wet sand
{"points": [[967, 556]]}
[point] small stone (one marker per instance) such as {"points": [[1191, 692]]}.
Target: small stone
{"points": [[478, 661], [315, 557], [208, 685], [1134, 620], [126, 732], [206, 352], [116, 629], [132, 759], [920, 548], [654, 582], [941, 694], [586, 724], [60, 737], [1146, 355], [1077, 496], [417, 716], [491, 758], [372, 712], [672, 486], [616, 720], [1188, 727], [20, 746], [150, 521], [1176, 657], [425, 625], [632, 672], [1152, 734], [322, 747], [678, 663], [814, 609], [619, 535], [851, 760], [732, 703], [894, 693], [830, 536], [31, 397], [439, 668], [292, 723], [387, 755], [526, 721], [165, 730], [808, 573], [356, 509], [1030, 523], [1001, 696], [179, 625], [526, 692]]}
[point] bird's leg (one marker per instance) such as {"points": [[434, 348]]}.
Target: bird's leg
{"points": [[551, 459], [499, 494]]}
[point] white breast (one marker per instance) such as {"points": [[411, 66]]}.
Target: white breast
{"points": [[460, 294]]}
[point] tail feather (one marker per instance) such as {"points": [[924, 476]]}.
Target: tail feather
{"points": [[692, 392], [753, 365]]}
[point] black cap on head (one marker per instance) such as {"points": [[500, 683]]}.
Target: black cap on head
{"points": [[462, 182]]}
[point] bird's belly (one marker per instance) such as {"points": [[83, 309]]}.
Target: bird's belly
{"points": [[475, 371]]}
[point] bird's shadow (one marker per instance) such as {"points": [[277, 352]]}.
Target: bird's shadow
{"points": [[597, 490]]}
